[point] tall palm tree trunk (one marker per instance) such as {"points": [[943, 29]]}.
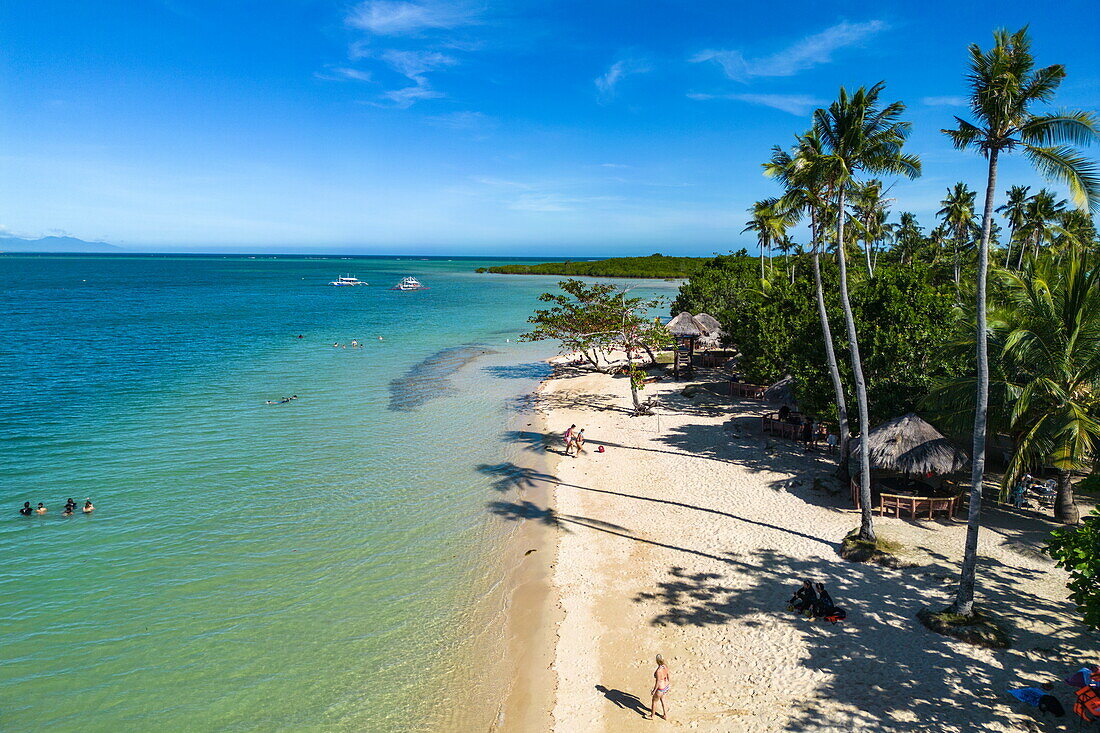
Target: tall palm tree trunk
{"points": [[964, 599], [830, 357], [867, 526], [1008, 255], [761, 259], [867, 254]]}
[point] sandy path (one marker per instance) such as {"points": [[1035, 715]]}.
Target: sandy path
{"points": [[688, 537]]}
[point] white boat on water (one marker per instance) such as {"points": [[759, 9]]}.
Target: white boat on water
{"points": [[347, 280], [409, 283]]}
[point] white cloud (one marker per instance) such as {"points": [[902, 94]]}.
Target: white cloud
{"points": [[795, 104], [342, 73], [805, 54], [947, 101], [413, 65], [390, 18], [606, 82]]}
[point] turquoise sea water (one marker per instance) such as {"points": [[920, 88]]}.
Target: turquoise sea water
{"points": [[310, 565]]}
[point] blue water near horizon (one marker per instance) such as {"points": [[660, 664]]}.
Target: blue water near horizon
{"points": [[308, 565]]}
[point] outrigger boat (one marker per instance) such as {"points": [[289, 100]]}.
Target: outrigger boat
{"points": [[409, 283], [347, 280]]}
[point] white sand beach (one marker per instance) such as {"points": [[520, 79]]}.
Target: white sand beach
{"points": [[687, 537]]}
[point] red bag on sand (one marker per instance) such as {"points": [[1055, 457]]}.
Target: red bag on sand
{"points": [[599, 449]]}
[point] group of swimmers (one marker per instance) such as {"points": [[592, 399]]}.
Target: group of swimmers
{"points": [[574, 441], [70, 506], [283, 401], [354, 344]]}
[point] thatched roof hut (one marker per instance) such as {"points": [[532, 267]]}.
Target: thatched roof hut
{"points": [[910, 445], [685, 326], [782, 391], [712, 329]]}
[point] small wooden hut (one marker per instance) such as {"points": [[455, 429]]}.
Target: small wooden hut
{"points": [[686, 331]]}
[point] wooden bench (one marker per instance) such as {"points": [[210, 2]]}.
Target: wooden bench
{"points": [[915, 506], [742, 389], [771, 425]]}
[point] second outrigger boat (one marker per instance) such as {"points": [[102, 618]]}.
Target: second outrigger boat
{"points": [[409, 283]]}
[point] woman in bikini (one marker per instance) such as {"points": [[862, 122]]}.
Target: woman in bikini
{"points": [[661, 685], [569, 438]]}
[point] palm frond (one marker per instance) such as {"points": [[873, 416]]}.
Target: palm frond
{"points": [[1064, 164], [1072, 127]]}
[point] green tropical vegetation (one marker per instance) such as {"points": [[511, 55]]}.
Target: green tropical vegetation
{"points": [[1075, 549], [652, 266], [1014, 362]]}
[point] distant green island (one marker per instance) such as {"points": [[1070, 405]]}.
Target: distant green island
{"points": [[653, 266]]}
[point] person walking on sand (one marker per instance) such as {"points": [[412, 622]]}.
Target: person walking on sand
{"points": [[661, 685], [578, 442], [569, 438]]}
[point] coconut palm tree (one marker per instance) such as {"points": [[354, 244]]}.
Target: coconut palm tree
{"points": [[1014, 210], [768, 225], [870, 206], [805, 190], [958, 217], [1041, 215], [1004, 87], [1052, 368], [908, 237], [859, 136]]}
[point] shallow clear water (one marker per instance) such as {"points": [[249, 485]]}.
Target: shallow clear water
{"points": [[248, 566]]}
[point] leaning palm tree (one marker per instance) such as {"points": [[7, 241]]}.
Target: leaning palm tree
{"points": [[805, 190], [1014, 211], [1004, 86], [958, 216], [859, 136], [768, 226]]}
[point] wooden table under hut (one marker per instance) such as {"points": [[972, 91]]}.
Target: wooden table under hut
{"points": [[911, 466]]}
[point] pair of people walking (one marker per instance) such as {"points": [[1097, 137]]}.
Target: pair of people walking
{"points": [[574, 441]]}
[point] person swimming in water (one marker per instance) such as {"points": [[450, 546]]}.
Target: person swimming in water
{"points": [[68, 512], [40, 509], [88, 508], [26, 510], [70, 504]]}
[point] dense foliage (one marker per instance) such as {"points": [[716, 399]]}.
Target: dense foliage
{"points": [[653, 266], [900, 317], [1077, 549]]}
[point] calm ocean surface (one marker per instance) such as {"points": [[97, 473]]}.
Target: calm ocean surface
{"points": [[311, 565]]}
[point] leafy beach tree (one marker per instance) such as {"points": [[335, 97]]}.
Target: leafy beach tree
{"points": [[857, 135], [593, 319], [1077, 549], [1004, 86]]}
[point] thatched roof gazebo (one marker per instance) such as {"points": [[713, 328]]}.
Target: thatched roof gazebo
{"points": [[686, 330], [712, 329], [911, 446]]}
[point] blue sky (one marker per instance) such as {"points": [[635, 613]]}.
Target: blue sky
{"points": [[453, 127]]}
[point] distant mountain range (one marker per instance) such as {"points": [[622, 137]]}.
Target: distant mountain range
{"points": [[54, 244]]}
